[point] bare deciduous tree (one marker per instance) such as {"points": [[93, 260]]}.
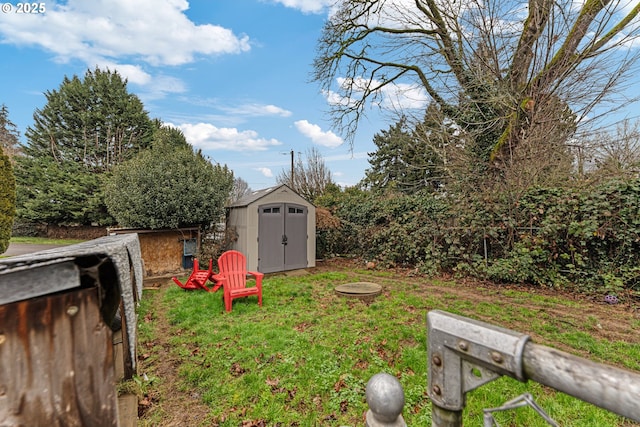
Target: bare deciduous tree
{"points": [[613, 154], [310, 176], [508, 74], [240, 189]]}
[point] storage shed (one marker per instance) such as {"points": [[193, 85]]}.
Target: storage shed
{"points": [[275, 229], [166, 251]]}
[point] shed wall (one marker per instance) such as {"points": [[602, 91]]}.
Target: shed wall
{"points": [[245, 221], [237, 221], [311, 240], [162, 250]]}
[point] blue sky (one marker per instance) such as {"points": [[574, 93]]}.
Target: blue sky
{"points": [[234, 75]]}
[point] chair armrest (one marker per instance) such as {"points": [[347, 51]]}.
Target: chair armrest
{"points": [[218, 281], [255, 274], [258, 277]]}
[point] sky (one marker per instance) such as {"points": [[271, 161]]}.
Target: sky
{"points": [[233, 75]]}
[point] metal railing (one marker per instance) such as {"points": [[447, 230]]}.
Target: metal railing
{"points": [[464, 354]]}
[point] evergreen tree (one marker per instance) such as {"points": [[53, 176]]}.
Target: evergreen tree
{"points": [[9, 148], [55, 192], [94, 121], [86, 127], [9, 135], [386, 162], [7, 200], [407, 160], [167, 135], [168, 186]]}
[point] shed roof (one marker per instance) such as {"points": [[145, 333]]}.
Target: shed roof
{"points": [[257, 195]]}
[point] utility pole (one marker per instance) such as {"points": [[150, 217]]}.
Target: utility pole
{"points": [[292, 172]]}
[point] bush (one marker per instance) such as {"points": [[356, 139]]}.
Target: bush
{"points": [[7, 200], [167, 187], [585, 238]]}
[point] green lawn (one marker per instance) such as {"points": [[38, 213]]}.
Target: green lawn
{"points": [[305, 357], [43, 241]]}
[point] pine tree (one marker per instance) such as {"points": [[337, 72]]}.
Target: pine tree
{"points": [[405, 160], [9, 135], [86, 127]]}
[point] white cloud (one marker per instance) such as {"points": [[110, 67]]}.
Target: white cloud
{"points": [[117, 34], [152, 87], [265, 172], [257, 110], [157, 32], [403, 96], [161, 86], [209, 137], [394, 97], [133, 73], [307, 6], [317, 135]]}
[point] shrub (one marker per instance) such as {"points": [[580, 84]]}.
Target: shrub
{"points": [[7, 200], [168, 187], [587, 238]]}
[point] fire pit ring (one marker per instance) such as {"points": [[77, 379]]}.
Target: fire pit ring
{"points": [[365, 291]]}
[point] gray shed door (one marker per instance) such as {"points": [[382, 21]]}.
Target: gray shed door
{"points": [[282, 237]]}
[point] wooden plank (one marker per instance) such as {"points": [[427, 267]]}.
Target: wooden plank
{"points": [[56, 355], [128, 410], [128, 363], [118, 355]]}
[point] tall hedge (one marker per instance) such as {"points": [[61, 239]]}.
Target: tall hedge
{"points": [[7, 200], [87, 126], [584, 238]]}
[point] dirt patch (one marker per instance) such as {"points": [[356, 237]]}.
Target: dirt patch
{"points": [[165, 400]]}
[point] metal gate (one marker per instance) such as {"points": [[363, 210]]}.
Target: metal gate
{"points": [[282, 237]]}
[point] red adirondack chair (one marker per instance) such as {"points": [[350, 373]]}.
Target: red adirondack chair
{"points": [[233, 276], [198, 278]]}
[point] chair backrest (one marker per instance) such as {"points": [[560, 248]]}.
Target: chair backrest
{"points": [[233, 265]]}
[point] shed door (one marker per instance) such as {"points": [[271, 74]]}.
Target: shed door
{"points": [[295, 230], [282, 237]]}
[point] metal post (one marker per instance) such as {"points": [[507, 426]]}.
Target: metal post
{"points": [[385, 398], [293, 181], [464, 354], [441, 417]]}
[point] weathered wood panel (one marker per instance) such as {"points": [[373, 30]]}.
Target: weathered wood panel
{"points": [[161, 250], [56, 362]]}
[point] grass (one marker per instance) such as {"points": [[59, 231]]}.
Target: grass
{"points": [[43, 241], [305, 357]]}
